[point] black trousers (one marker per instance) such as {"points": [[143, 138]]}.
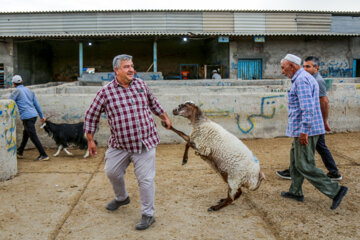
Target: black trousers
{"points": [[326, 156], [30, 132]]}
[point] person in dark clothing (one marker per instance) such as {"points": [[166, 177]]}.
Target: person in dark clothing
{"points": [[29, 109]]}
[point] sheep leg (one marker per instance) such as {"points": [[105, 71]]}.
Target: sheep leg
{"points": [[188, 143], [222, 203], [58, 151], [238, 194], [180, 133], [185, 157]]}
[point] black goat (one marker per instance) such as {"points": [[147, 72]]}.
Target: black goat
{"points": [[65, 134]]}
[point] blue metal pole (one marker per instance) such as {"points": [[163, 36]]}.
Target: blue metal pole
{"points": [[80, 59], [354, 68], [155, 55]]}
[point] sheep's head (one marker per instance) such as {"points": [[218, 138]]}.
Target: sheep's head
{"points": [[189, 110]]}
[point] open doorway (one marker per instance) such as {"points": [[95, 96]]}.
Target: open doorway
{"points": [[189, 71]]}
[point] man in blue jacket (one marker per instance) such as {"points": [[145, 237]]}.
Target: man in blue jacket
{"points": [[29, 110]]}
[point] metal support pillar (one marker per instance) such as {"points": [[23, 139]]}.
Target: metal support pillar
{"points": [[80, 59], [155, 55]]}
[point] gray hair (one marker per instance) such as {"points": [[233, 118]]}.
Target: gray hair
{"points": [[315, 60], [119, 58]]}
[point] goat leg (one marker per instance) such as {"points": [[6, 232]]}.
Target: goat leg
{"points": [[67, 152], [58, 151], [87, 153]]}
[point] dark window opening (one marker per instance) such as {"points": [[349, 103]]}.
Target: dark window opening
{"points": [[357, 68]]}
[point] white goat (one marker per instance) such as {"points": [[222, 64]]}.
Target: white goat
{"points": [[224, 152]]}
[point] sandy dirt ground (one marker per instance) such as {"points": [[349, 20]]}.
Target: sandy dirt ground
{"points": [[64, 198]]}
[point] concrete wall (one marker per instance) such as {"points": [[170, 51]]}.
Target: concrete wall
{"points": [[336, 54], [6, 58], [248, 109], [8, 160]]}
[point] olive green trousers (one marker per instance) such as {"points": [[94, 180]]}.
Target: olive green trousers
{"points": [[302, 165]]}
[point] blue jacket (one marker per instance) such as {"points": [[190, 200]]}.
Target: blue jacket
{"points": [[26, 101]]}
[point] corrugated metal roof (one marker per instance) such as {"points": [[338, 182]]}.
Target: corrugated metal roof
{"points": [[187, 10], [184, 21], [281, 22], [249, 22], [313, 22], [162, 23], [192, 34], [345, 24], [218, 21]]}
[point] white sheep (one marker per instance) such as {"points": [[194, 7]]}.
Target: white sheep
{"points": [[224, 152]]}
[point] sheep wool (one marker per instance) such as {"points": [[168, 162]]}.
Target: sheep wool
{"points": [[228, 154]]}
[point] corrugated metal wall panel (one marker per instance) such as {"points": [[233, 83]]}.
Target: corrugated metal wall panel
{"points": [[307, 22], [281, 22], [93, 23], [249, 22], [113, 22], [218, 22], [20, 23], [345, 24], [148, 21], [184, 21]]}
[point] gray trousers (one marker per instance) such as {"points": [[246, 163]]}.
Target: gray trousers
{"points": [[116, 163]]}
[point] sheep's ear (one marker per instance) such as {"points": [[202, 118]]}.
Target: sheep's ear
{"points": [[43, 125], [198, 112]]}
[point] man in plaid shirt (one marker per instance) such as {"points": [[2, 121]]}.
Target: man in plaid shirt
{"points": [[305, 125], [128, 104]]}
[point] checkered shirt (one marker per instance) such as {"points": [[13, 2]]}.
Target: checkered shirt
{"points": [[128, 113], [304, 112]]}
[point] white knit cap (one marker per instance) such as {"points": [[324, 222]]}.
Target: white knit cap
{"points": [[17, 79], [292, 58]]}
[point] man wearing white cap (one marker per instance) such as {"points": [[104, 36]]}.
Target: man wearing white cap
{"points": [[215, 75], [305, 124], [29, 110]]}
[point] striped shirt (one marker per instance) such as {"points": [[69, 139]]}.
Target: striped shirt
{"points": [[304, 113], [128, 113], [26, 101]]}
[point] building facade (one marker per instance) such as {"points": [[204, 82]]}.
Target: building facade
{"points": [[60, 46]]}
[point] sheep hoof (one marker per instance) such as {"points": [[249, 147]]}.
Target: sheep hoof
{"points": [[184, 161], [163, 124], [212, 209]]}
